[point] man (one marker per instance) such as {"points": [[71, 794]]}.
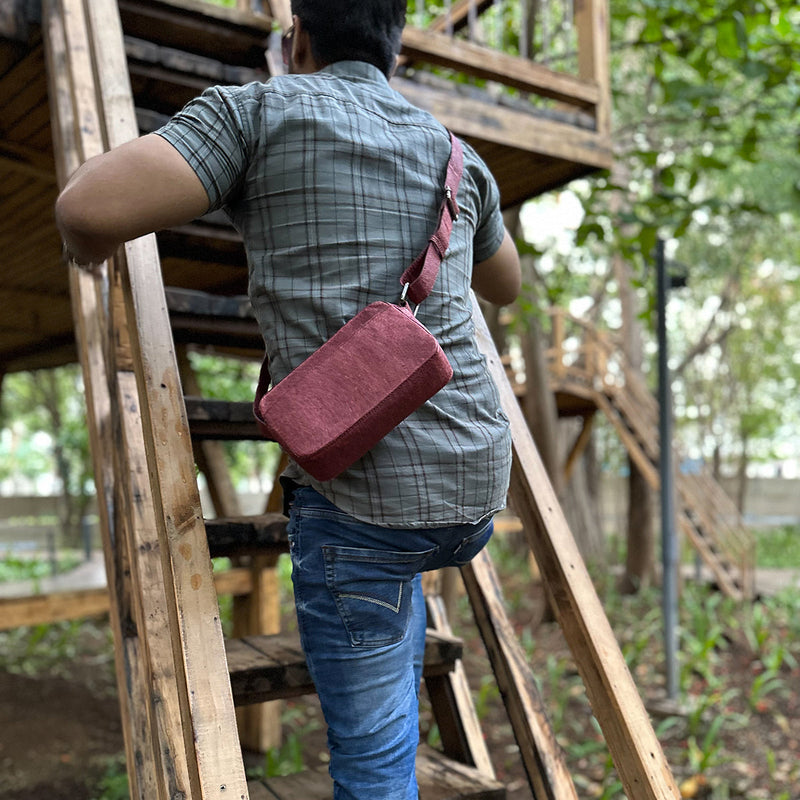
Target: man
{"points": [[334, 182]]}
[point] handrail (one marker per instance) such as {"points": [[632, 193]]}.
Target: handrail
{"points": [[580, 354], [474, 38]]}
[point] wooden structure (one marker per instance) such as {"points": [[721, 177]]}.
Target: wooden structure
{"points": [[588, 374], [80, 76]]}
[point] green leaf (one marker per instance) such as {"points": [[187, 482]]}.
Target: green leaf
{"points": [[749, 146]]}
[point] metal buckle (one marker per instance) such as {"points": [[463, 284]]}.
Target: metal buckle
{"points": [[403, 300]]}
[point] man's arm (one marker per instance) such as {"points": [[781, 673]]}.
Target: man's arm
{"points": [[142, 186], [498, 279]]}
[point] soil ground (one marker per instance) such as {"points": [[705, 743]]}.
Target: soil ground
{"points": [[60, 729]]}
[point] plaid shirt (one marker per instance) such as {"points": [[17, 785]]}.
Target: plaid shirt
{"points": [[334, 181]]}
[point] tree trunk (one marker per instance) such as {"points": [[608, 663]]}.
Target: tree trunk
{"points": [[741, 475], [640, 558], [580, 503]]}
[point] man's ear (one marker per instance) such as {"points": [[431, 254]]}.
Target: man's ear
{"points": [[302, 58]]}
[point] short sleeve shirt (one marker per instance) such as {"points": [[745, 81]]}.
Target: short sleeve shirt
{"points": [[334, 181]]}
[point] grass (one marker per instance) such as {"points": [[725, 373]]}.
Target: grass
{"points": [[778, 547]]}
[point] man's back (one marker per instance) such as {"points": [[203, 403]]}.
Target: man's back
{"points": [[335, 183]]}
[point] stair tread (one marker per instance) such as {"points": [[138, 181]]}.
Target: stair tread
{"points": [[228, 536], [205, 304], [439, 778], [273, 666], [221, 419]]}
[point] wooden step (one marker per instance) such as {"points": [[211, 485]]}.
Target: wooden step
{"points": [[238, 536], [439, 778], [222, 321], [221, 419], [273, 666]]}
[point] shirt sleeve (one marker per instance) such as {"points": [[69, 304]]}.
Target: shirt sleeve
{"points": [[210, 133], [490, 229]]}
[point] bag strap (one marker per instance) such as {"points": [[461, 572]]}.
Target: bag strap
{"points": [[418, 279]]}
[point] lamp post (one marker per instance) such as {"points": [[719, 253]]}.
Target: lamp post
{"points": [[669, 540]]}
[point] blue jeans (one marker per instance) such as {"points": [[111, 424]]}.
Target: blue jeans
{"points": [[362, 618]]}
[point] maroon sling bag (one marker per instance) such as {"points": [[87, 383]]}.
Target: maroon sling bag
{"points": [[370, 375]]}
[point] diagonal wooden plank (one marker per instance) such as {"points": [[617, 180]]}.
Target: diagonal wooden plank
{"points": [[207, 717], [66, 68], [616, 703], [541, 754], [216, 765], [452, 703]]}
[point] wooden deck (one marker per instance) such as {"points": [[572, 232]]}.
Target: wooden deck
{"points": [[537, 129]]}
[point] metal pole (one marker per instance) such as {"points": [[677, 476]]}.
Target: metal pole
{"points": [[669, 545]]}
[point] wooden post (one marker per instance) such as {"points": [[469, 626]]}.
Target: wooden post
{"points": [[615, 700], [282, 12], [592, 23], [578, 447], [452, 704], [256, 613]]}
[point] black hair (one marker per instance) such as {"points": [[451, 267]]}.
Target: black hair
{"points": [[353, 30]]}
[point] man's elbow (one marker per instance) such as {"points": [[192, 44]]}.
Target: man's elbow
{"points": [[81, 228]]}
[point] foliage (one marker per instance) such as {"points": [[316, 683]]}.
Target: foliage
{"points": [[51, 649], [289, 758], [114, 783], [44, 436], [706, 102], [252, 463], [16, 568]]}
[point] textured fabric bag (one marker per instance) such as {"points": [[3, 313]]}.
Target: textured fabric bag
{"points": [[370, 375]]}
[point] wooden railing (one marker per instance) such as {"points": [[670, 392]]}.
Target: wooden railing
{"points": [[558, 53], [591, 362]]}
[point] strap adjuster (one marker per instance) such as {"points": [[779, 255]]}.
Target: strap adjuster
{"points": [[451, 203]]}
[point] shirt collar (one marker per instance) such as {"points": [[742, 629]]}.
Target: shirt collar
{"points": [[359, 70]]}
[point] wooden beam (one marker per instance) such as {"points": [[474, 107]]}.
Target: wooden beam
{"points": [[483, 62], [68, 67], [458, 17], [452, 704], [16, 612], [592, 25], [42, 609], [200, 27], [615, 701], [205, 716], [541, 754], [484, 121], [237, 16], [578, 447], [282, 12], [26, 160]]}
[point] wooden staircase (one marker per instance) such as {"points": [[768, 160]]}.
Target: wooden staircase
{"points": [[179, 679], [589, 372]]}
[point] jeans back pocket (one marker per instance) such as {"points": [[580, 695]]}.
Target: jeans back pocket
{"points": [[372, 590]]}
